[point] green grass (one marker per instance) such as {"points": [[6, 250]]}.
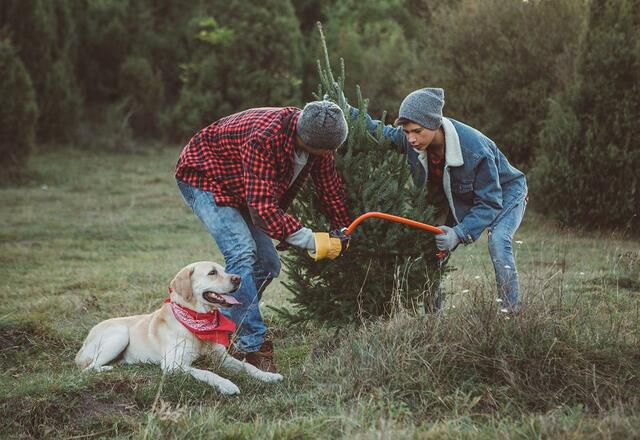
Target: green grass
{"points": [[93, 236]]}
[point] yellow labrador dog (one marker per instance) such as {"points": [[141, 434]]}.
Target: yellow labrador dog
{"points": [[163, 337]]}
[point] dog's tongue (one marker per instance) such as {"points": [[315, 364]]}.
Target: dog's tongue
{"points": [[230, 299]]}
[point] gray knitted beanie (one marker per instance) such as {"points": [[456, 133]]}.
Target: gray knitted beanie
{"points": [[322, 125], [424, 107]]}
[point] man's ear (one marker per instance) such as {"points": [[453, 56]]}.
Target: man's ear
{"points": [[181, 283]]}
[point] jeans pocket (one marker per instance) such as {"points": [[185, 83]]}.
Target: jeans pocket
{"points": [[187, 192]]}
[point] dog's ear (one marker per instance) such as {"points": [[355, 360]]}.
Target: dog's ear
{"points": [[181, 283]]}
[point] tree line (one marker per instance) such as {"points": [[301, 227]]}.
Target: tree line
{"points": [[553, 82]]}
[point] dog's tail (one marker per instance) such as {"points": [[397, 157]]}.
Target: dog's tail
{"points": [[83, 358], [82, 362]]}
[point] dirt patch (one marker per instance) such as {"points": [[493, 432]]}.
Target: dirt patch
{"points": [[55, 412], [93, 407], [623, 281], [24, 337], [29, 346]]}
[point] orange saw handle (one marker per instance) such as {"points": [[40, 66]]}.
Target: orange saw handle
{"points": [[392, 218], [397, 219]]}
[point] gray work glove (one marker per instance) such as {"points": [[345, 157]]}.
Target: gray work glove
{"points": [[447, 241]]}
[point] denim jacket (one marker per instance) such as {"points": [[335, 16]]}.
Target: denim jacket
{"points": [[478, 181]]}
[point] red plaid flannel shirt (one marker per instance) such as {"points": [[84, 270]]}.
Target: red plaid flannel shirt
{"points": [[436, 169], [246, 161]]}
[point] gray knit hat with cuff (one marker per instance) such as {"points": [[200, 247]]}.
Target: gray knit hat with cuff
{"points": [[424, 107], [322, 125]]}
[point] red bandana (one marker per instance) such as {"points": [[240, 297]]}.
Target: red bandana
{"points": [[210, 326]]}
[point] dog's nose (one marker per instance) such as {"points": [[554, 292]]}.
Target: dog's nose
{"points": [[235, 279]]}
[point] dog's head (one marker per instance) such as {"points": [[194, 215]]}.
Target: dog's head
{"points": [[204, 283]]}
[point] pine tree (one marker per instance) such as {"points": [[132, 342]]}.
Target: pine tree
{"points": [[18, 112], [387, 264], [375, 37], [487, 56], [588, 171], [243, 57], [43, 33]]}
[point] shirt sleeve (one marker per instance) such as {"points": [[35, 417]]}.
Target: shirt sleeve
{"points": [[330, 189], [487, 202], [260, 180], [393, 134]]}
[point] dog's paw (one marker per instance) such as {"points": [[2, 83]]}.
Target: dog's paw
{"points": [[270, 377], [104, 368], [225, 386], [98, 368]]}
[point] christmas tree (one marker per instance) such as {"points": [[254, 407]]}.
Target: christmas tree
{"points": [[388, 264]]}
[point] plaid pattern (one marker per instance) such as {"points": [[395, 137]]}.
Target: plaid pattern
{"points": [[246, 161], [436, 165], [436, 169]]}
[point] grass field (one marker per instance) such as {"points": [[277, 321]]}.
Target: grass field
{"points": [[95, 235]]}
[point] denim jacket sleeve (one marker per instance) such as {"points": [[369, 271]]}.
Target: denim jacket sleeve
{"points": [[487, 201], [394, 134]]}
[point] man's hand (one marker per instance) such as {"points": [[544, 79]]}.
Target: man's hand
{"points": [[344, 239], [330, 245], [321, 245], [447, 241]]}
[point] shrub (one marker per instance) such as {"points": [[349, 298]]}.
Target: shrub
{"points": [[18, 111], [44, 35], [251, 61], [588, 169], [104, 48], [372, 36], [143, 90], [61, 102], [477, 362], [500, 62]]}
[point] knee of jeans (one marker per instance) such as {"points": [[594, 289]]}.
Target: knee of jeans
{"points": [[500, 246], [240, 260], [272, 266]]}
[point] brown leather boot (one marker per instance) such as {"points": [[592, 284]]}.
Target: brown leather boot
{"points": [[233, 351], [262, 359]]}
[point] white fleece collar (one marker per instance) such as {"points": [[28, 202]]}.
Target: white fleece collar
{"points": [[453, 158], [452, 150]]}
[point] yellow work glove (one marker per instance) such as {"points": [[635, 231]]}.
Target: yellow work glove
{"points": [[330, 245]]}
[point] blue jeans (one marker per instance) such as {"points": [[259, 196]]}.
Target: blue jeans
{"points": [[501, 250], [248, 252]]}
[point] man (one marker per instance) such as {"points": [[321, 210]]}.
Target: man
{"points": [[240, 174], [469, 180]]}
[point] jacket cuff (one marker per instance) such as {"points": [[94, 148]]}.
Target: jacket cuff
{"points": [[463, 234]]}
